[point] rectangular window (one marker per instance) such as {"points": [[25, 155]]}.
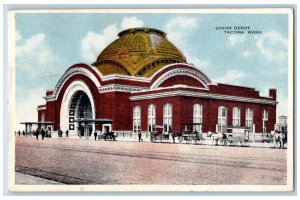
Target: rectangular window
{"points": [[265, 116]]}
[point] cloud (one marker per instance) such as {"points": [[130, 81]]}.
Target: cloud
{"points": [[236, 39], [200, 63], [35, 64], [231, 77], [26, 108], [182, 22], [247, 53], [178, 30], [131, 22], [34, 53], [273, 46], [93, 43]]}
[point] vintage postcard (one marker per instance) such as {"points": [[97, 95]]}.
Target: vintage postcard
{"points": [[151, 100]]}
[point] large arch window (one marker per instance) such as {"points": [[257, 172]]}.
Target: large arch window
{"points": [[151, 117], [265, 118], [197, 117], [167, 117], [222, 119], [249, 119], [136, 119], [236, 117]]}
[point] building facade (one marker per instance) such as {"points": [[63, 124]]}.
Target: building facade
{"points": [[142, 80]]}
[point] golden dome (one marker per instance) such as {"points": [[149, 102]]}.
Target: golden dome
{"points": [[138, 52]]}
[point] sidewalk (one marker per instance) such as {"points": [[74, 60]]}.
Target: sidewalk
{"points": [[135, 139]]}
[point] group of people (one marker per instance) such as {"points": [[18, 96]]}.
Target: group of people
{"points": [[23, 133], [36, 133], [42, 132], [60, 133]]}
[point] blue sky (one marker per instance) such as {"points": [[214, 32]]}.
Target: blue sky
{"points": [[47, 44]]}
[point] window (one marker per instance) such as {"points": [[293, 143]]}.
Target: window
{"points": [[151, 117], [222, 119], [136, 119], [236, 117], [197, 117], [167, 117], [249, 119], [265, 117]]}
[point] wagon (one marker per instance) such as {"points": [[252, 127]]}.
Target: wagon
{"points": [[238, 136], [158, 134], [108, 136], [189, 136]]}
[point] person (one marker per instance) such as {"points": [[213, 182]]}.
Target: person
{"points": [[43, 133], [140, 136], [67, 133], [173, 136], [23, 133], [37, 134], [60, 133], [95, 135], [19, 133]]}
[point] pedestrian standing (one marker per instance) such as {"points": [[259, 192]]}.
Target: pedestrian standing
{"points": [[67, 133], [140, 136], [19, 133], [95, 135], [37, 134], [43, 133], [173, 136]]}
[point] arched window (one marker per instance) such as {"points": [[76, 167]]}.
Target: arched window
{"points": [[167, 117], [136, 119], [236, 117], [151, 117], [222, 119], [265, 117], [197, 117], [249, 119]]}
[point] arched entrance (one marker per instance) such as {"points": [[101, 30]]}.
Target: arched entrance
{"points": [[77, 103], [80, 108]]}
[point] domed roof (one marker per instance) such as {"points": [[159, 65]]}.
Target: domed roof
{"points": [[138, 52]]}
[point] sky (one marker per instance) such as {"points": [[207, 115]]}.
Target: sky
{"points": [[48, 44]]}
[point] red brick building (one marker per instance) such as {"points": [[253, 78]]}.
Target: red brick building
{"points": [[141, 80]]}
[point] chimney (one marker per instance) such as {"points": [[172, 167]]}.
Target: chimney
{"points": [[272, 93]]}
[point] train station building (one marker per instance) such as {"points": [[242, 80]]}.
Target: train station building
{"points": [[141, 80]]}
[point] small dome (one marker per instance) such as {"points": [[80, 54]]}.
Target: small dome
{"points": [[138, 52]]}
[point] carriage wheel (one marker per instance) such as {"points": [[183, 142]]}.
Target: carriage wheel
{"points": [[200, 141]]}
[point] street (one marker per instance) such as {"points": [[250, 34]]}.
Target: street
{"points": [[79, 161]]}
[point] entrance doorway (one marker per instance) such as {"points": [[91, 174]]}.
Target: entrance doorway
{"points": [[80, 108], [106, 128], [77, 103]]}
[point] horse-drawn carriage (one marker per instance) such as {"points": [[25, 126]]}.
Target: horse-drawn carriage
{"points": [[239, 136], [158, 134], [279, 138], [190, 135], [108, 136]]}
